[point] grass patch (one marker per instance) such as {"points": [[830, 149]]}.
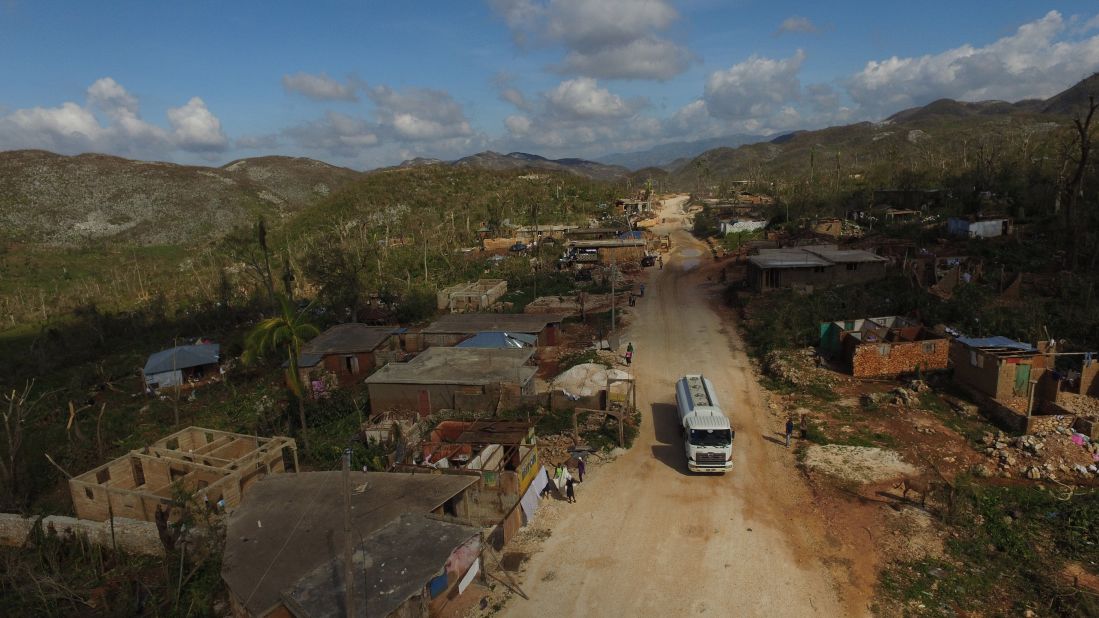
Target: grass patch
{"points": [[1009, 547]]}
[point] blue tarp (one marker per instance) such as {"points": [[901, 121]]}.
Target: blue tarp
{"points": [[995, 342], [632, 235]]}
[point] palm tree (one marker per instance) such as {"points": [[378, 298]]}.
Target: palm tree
{"points": [[287, 332]]}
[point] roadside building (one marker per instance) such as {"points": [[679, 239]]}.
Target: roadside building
{"points": [[450, 329], [182, 365], [412, 551], [217, 466], [444, 378], [505, 457], [595, 233], [812, 267], [608, 251], [888, 346]]}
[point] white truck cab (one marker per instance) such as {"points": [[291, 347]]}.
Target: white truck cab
{"points": [[707, 434]]}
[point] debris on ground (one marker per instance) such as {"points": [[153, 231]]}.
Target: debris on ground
{"points": [[798, 367], [858, 464], [1058, 455]]}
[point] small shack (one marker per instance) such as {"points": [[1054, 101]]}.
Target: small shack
{"points": [[450, 329], [476, 296], [182, 365], [978, 227], [348, 352], [412, 551], [996, 367], [888, 346], [443, 378], [218, 466]]}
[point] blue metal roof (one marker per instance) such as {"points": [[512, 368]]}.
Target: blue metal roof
{"points": [[498, 340], [182, 357], [996, 342]]}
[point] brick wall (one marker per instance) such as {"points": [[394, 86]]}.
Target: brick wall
{"points": [[871, 360]]}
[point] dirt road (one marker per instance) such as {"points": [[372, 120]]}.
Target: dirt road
{"points": [[646, 538]]}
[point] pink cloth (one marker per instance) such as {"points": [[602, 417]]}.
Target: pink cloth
{"points": [[1078, 439]]}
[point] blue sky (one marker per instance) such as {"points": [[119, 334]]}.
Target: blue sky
{"points": [[370, 84]]}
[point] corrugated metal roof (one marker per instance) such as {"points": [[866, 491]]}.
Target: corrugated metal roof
{"points": [[995, 342], [182, 357], [845, 256], [351, 338], [787, 258], [499, 339]]}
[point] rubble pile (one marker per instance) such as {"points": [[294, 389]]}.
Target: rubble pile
{"points": [[798, 367], [1055, 456], [1080, 405]]}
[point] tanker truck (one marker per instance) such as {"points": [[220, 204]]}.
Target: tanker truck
{"points": [[707, 434]]}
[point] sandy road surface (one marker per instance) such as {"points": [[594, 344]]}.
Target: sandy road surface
{"points": [[646, 538]]}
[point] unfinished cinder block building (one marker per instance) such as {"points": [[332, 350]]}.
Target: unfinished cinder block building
{"points": [[476, 296], [217, 466]]}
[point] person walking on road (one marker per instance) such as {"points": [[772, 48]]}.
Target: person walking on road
{"points": [[570, 491], [629, 354], [642, 290], [580, 468], [789, 430]]}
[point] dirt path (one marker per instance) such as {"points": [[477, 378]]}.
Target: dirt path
{"points": [[646, 538]]}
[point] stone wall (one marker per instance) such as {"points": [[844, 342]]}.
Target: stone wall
{"points": [[1049, 422], [894, 359], [136, 537]]}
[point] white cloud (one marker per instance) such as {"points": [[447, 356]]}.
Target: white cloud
{"points": [[644, 58], [796, 23], [583, 99], [1036, 61], [334, 133], [608, 39], [419, 113], [195, 129], [754, 88], [319, 87], [517, 125], [110, 122]]}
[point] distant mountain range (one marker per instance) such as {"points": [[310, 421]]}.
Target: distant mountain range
{"points": [[674, 154], [490, 160], [945, 123]]}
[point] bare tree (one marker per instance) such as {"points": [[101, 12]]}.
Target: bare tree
{"points": [[18, 410], [1078, 160]]}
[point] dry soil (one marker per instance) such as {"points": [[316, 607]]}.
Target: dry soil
{"points": [[646, 538]]}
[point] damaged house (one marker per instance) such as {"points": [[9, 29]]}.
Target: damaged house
{"points": [[443, 378], [347, 353], [812, 267], [182, 365], [479, 295], [884, 347]]}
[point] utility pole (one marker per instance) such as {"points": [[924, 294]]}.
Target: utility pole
{"points": [[348, 566], [612, 290]]}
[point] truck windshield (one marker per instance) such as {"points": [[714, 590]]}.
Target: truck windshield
{"points": [[711, 437]]}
